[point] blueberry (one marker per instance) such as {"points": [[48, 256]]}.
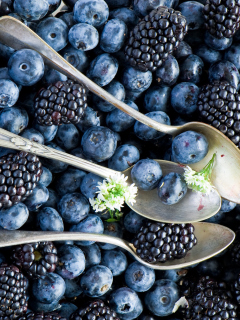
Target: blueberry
{"points": [[113, 35], [6, 7], [14, 217], [96, 281], [182, 51], [227, 206], [157, 99], [113, 229], [31, 9], [67, 308], [37, 306], [116, 89], [47, 132], [146, 174], [189, 147], [33, 135], [89, 185], [139, 277], [91, 11], [13, 119], [126, 303], [9, 93], [48, 219], [89, 119], [124, 157], [217, 218], [67, 17], [115, 260], [215, 43], [37, 198], [52, 76], [232, 55], [126, 15], [147, 133], [26, 67], [99, 143], [53, 5], [166, 293], [172, 188], [103, 69], [69, 181], [73, 288], [168, 73], [49, 288], [133, 222], [73, 207], [92, 255], [83, 36], [124, 121], [46, 177], [135, 80], [193, 12], [52, 200], [55, 166], [144, 7], [5, 51], [75, 57], [71, 262], [173, 275], [67, 136], [118, 3], [191, 69], [91, 224], [184, 97], [54, 31], [4, 73], [211, 267], [208, 55]]}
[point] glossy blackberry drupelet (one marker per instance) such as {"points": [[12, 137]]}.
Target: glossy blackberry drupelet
{"points": [[41, 316], [35, 259], [63, 102], [13, 287], [208, 299], [219, 106], [159, 242], [154, 38], [95, 310], [222, 17], [19, 174]]}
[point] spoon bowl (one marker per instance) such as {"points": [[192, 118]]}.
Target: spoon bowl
{"points": [[195, 206], [212, 239]]}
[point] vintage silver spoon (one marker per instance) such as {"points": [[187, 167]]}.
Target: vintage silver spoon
{"points": [[195, 206], [226, 173], [212, 239]]}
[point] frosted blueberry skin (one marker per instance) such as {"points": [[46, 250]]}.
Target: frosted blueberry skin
{"points": [[136, 80], [54, 31], [67, 308], [67, 17], [208, 55], [83, 36], [47, 132], [99, 143], [48, 289], [224, 71], [4, 73], [53, 5], [69, 181], [31, 10], [46, 177], [193, 12], [172, 188], [55, 166], [146, 133], [227, 206], [71, 262], [52, 200], [124, 157], [189, 147], [26, 67], [103, 69], [157, 99], [75, 57], [233, 55], [14, 217], [91, 224], [113, 35], [73, 288], [215, 43], [133, 222], [13, 119], [89, 185], [126, 303], [48, 219], [5, 51], [42, 307], [144, 7], [37, 198], [146, 174], [92, 255], [166, 293], [9, 93], [127, 15], [191, 69], [96, 281], [33, 135], [115, 260], [111, 229], [52, 76], [73, 207], [91, 11], [184, 97], [139, 277], [67, 136], [89, 119], [168, 73]]}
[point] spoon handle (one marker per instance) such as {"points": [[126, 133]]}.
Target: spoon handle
{"points": [[18, 36], [13, 141]]}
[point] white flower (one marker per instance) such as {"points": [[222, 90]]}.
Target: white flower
{"points": [[113, 192]]}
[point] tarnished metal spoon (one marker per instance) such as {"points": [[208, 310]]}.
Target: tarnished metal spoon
{"points": [[212, 239], [195, 206], [226, 172]]}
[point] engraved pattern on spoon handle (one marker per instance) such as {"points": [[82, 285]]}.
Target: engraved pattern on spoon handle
{"points": [[13, 141]]}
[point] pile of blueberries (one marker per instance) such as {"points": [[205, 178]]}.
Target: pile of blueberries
{"points": [[91, 34]]}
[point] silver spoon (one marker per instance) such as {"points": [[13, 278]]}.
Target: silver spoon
{"points": [[226, 172], [195, 206], [212, 239]]}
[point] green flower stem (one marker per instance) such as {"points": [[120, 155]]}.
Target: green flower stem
{"points": [[207, 170]]}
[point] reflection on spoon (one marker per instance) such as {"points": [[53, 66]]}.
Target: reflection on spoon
{"points": [[212, 239], [195, 206]]}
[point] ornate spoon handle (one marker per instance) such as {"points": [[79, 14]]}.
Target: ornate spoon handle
{"points": [[13, 141]]}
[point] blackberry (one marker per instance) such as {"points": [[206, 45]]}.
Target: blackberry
{"points": [[236, 289], [19, 174], [62, 102], [41, 316], [234, 250], [13, 292], [95, 310], [222, 17], [208, 299], [36, 259], [219, 106], [154, 38], [159, 242]]}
